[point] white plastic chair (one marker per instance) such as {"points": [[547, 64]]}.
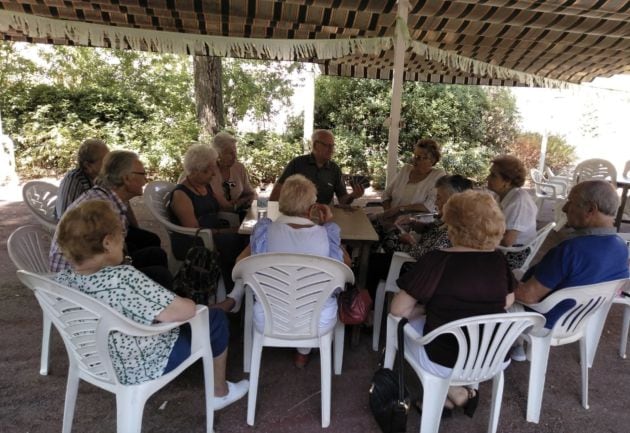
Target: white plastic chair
{"points": [[292, 290], [387, 286], [552, 177], [583, 322], [484, 342], [547, 189], [28, 248], [156, 197], [595, 169], [41, 198], [85, 324], [534, 246]]}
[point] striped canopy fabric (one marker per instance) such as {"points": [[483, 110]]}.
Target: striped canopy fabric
{"points": [[496, 42]]}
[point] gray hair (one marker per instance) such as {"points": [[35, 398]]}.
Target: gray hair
{"points": [[318, 132], [599, 193], [198, 156], [116, 166], [87, 149], [222, 140], [297, 195]]}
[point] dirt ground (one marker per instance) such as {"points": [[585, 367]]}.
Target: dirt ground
{"points": [[288, 398]]}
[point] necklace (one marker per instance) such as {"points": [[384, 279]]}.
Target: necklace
{"points": [[194, 187]]}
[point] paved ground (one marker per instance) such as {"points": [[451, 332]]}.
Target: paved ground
{"points": [[288, 399]]}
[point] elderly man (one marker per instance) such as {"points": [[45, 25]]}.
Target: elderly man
{"points": [[122, 177], [78, 180], [319, 169], [593, 254]]}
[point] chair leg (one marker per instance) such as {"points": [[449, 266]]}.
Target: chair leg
{"points": [[594, 330], [624, 332], [208, 379], [391, 343], [339, 331], [44, 363], [584, 366], [129, 411], [72, 389], [221, 295], [537, 372], [248, 329], [379, 304], [326, 377], [256, 355], [497, 399], [435, 391]]}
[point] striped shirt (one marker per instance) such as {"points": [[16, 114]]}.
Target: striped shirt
{"points": [[73, 184], [57, 261]]}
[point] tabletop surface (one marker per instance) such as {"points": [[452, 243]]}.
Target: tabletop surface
{"points": [[353, 222]]}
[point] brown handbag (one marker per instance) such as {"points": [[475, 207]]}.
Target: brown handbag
{"points": [[354, 305]]}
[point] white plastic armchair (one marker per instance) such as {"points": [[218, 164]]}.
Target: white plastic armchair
{"points": [[41, 198], [582, 322], [292, 290], [547, 189], [156, 197], [484, 342], [85, 324], [387, 286], [28, 248], [552, 177], [534, 246], [595, 169]]}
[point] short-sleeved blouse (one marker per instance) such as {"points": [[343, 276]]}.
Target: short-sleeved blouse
{"points": [[520, 215], [239, 182], [424, 191], [455, 285], [137, 297]]}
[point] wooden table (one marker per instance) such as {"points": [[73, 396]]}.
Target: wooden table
{"points": [[356, 231], [624, 184]]}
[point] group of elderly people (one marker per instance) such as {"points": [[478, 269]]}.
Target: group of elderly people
{"points": [[459, 273]]}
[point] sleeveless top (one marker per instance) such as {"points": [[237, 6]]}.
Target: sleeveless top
{"points": [[205, 207]]}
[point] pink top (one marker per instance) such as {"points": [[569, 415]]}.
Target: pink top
{"points": [[239, 185]]}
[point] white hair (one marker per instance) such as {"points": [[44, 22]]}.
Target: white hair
{"points": [[222, 140], [198, 156]]}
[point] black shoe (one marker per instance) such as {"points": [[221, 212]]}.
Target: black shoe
{"points": [[473, 401]]}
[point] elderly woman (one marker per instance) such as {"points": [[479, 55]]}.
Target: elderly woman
{"points": [[468, 279], [507, 176], [426, 237], [231, 179], [91, 237], [412, 190], [194, 204], [294, 232]]}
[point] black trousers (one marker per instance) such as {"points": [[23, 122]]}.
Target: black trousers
{"points": [[147, 256]]}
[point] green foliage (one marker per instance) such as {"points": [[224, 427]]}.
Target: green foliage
{"points": [[472, 123], [558, 157], [265, 154]]}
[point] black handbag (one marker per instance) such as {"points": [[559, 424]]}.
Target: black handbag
{"points": [[198, 277], [389, 399]]}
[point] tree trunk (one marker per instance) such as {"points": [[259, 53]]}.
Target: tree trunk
{"points": [[208, 95]]}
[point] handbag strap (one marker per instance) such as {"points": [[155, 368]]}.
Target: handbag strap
{"points": [[401, 360]]}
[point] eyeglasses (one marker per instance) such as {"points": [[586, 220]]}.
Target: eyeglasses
{"points": [[421, 158], [226, 188]]}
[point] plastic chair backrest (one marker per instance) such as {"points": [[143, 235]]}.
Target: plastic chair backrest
{"points": [[41, 198], [595, 169], [626, 169], [292, 289], [534, 246], [156, 196], [484, 342], [571, 325], [28, 248]]}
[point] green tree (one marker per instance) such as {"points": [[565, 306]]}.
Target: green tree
{"points": [[558, 157]]}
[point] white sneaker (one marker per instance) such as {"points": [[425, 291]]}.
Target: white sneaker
{"points": [[518, 353], [236, 391], [237, 293]]}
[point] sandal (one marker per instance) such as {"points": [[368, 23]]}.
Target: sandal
{"points": [[471, 404]]}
